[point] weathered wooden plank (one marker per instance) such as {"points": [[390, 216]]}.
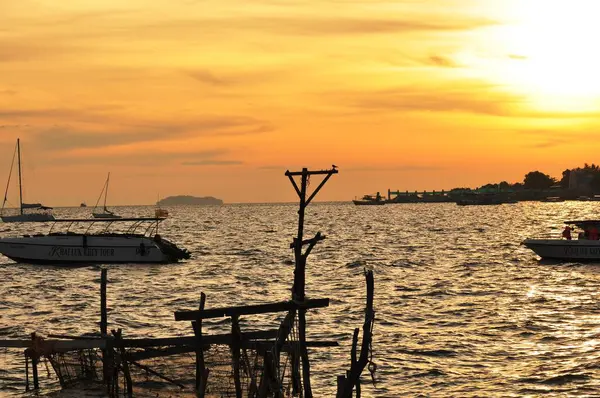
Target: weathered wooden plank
{"points": [[262, 346], [191, 340], [157, 374], [250, 309], [56, 345], [74, 337]]}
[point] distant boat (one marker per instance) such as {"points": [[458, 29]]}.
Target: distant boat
{"points": [[585, 248], [163, 213], [105, 212], [370, 200], [82, 204], [42, 213]]}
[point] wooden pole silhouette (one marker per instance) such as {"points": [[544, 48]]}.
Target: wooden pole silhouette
{"points": [[298, 289]]}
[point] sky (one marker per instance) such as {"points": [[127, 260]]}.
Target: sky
{"points": [[221, 97]]}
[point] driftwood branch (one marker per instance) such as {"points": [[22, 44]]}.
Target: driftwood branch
{"points": [[346, 384]]}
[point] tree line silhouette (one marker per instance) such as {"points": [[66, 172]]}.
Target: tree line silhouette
{"points": [[540, 181]]}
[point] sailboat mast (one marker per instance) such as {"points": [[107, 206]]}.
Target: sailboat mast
{"points": [[20, 186], [106, 191]]}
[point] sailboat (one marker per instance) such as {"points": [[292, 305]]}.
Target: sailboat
{"points": [[105, 212], [41, 213]]}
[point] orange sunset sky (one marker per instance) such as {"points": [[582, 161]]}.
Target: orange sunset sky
{"points": [[220, 97]]}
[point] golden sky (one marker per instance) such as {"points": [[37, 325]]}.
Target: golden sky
{"points": [[220, 97]]}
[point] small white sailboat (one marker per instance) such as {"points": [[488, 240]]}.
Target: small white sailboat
{"points": [[105, 212], [38, 212]]}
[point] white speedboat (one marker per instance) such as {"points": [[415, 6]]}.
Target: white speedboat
{"points": [[583, 244], [103, 246], [28, 212]]}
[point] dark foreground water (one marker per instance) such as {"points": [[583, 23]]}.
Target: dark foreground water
{"points": [[462, 309]]}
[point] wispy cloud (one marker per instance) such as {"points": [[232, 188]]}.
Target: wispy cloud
{"points": [[213, 162], [439, 60], [319, 26], [90, 129], [544, 139], [143, 158], [481, 100], [206, 76], [401, 167]]}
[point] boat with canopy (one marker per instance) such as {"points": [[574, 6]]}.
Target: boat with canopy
{"points": [[83, 241], [579, 242]]}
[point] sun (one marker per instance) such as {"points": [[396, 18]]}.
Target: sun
{"points": [[552, 54]]}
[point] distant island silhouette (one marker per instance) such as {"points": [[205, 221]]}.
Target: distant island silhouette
{"points": [[188, 200]]}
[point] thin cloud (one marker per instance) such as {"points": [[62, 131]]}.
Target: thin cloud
{"points": [[555, 138], [321, 26], [139, 158], [213, 162], [395, 168], [89, 129], [462, 96], [205, 76], [517, 57], [442, 61], [436, 100]]}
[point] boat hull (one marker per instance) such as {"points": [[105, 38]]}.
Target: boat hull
{"points": [[568, 250], [84, 249], [105, 215], [31, 217], [368, 203]]}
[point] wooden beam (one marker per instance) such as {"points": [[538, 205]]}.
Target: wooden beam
{"points": [[313, 241], [250, 309], [56, 345], [191, 340], [155, 373], [299, 173], [262, 346]]}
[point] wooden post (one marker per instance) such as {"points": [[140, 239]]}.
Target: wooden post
{"points": [[300, 270], [304, 353], [124, 362], [103, 314], [36, 382], [26, 372], [359, 362], [235, 353], [340, 385], [298, 289], [201, 374], [107, 364]]}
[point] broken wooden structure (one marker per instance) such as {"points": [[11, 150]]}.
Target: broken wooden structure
{"points": [[237, 363]]}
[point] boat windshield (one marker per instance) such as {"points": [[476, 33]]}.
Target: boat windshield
{"points": [[103, 226]]}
